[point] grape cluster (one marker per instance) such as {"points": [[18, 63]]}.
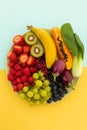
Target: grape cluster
{"points": [[57, 88], [40, 93]]}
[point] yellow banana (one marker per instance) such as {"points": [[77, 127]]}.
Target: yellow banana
{"points": [[48, 43]]}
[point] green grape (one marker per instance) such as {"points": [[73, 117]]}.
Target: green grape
{"points": [[31, 103], [30, 94], [36, 96], [22, 95], [47, 88], [36, 76], [25, 89], [42, 78], [46, 98], [40, 73], [35, 90], [44, 101], [29, 99], [46, 82], [37, 102], [39, 83], [43, 93]]}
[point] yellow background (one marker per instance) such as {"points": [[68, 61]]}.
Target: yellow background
{"points": [[68, 114]]}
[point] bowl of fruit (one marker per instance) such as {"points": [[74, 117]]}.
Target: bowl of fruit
{"points": [[44, 65]]}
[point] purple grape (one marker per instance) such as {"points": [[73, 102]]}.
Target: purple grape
{"points": [[66, 77], [58, 67]]}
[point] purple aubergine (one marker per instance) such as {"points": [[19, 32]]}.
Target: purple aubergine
{"points": [[58, 67], [66, 77]]}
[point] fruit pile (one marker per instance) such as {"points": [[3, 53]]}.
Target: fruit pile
{"points": [[41, 64]]}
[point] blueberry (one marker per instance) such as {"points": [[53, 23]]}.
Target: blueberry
{"points": [[54, 92], [65, 90], [60, 84], [57, 78], [55, 87], [52, 84], [50, 100], [50, 77]]}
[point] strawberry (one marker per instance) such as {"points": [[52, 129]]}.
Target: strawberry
{"points": [[20, 86], [12, 71], [26, 71], [18, 40], [30, 79], [26, 49], [12, 56], [17, 49], [23, 58], [31, 60]]}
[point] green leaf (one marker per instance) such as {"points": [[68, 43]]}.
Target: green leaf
{"points": [[80, 44], [68, 37]]}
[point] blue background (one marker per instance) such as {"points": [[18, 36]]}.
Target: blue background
{"points": [[15, 15]]}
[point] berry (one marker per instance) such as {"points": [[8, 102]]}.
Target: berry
{"points": [[12, 56], [15, 88], [20, 86], [24, 78], [26, 49], [31, 60], [30, 79], [17, 49], [26, 71], [50, 100], [10, 77], [19, 73], [18, 40], [50, 77], [40, 73], [25, 83], [18, 80], [36, 76], [11, 64], [17, 67], [23, 65], [14, 82], [12, 71], [23, 58], [32, 69]]}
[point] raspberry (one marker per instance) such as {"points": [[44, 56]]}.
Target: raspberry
{"points": [[15, 88], [30, 79], [19, 73], [14, 82], [33, 69], [11, 64], [20, 86], [10, 77], [17, 67], [23, 64], [24, 78], [26, 71], [18, 80], [12, 71], [25, 83]]}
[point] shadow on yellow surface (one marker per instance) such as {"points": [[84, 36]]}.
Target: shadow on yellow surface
{"points": [[68, 114]]}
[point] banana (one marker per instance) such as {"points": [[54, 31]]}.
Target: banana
{"points": [[48, 43]]}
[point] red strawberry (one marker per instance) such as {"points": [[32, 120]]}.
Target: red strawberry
{"points": [[18, 80], [12, 56], [17, 67], [26, 71], [23, 58], [17, 49], [19, 73], [30, 79], [11, 64], [26, 49], [20, 86], [10, 77], [15, 88], [24, 78], [18, 40], [31, 60]]}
